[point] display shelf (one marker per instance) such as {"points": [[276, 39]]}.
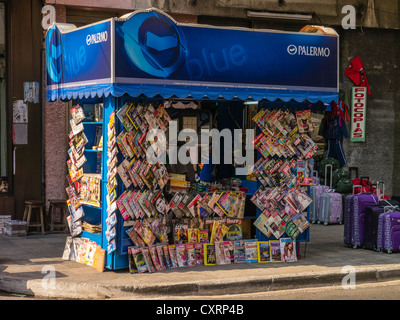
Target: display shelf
{"points": [[91, 150], [91, 206], [96, 237], [92, 123]]}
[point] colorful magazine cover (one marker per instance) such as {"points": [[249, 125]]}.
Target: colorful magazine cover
{"points": [[193, 235], [219, 253], [263, 250], [275, 251], [209, 254], [148, 259], [172, 255], [199, 253], [251, 251], [155, 258], [191, 255], [180, 231], [228, 252], [239, 251], [167, 257], [288, 250], [234, 229], [304, 121], [218, 231], [181, 255], [203, 236], [304, 172]]}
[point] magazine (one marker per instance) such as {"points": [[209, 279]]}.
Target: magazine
{"points": [[251, 251], [234, 229], [219, 253], [193, 235], [218, 231], [121, 114], [263, 250], [180, 231], [275, 250], [288, 250], [181, 255], [203, 236], [209, 254], [304, 121], [301, 222], [172, 255], [191, 257], [161, 257], [167, 257], [239, 251], [77, 114], [304, 172], [298, 199], [199, 253], [148, 259], [228, 252], [261, 223], [131, 261], [154, 258]]}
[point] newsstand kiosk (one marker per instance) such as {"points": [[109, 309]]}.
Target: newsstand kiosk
{"points": [[147, 57]]}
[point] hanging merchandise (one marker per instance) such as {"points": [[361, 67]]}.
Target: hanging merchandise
{"points": [[355, 71], [285, 167], [334, 130]]}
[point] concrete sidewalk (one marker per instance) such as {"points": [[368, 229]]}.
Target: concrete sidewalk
{"points": [[25, 263]]}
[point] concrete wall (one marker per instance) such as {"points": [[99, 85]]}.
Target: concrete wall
{"points": [[380, 52]]}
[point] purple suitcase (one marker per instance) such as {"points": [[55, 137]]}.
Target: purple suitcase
{"points": [[388, 238], [316, 192], [355, 206], [331, 211]]}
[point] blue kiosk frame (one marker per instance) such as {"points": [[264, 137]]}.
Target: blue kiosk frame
{"points": [[147, 53]]}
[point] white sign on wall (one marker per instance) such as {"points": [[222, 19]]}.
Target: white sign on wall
{"points": [[358, 114]]}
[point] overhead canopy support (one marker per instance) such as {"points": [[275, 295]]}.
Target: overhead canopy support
{"points": [[148, 53]]}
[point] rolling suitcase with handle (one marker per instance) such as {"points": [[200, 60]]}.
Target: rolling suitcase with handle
{"points": [[371, 226], [331, 211], [388, 239], [316, 192], [354, 217]]}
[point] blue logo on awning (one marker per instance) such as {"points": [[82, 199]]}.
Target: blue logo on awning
{"points": [[154, 44], [54, 59]]}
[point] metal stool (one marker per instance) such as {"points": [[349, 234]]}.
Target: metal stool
{"points": [[54, 205], [29, 206]]}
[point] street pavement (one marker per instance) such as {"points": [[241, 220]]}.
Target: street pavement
{"points": [[32, 265]]}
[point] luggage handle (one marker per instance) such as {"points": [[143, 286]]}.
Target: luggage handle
{"points": [[326, 171], [351, 169], [364, 178], [378, 190], [391, 208], [357, 186]]}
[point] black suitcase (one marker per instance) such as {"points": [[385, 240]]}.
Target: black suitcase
{"points": [[371, 226]]}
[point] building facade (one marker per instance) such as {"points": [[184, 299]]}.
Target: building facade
{"points": [[37, 170]]}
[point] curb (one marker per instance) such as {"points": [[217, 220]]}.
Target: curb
{"points": [[87, 291]]}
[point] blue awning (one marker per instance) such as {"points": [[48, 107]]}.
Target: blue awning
{"points": [[184, 92], [148, 53]]}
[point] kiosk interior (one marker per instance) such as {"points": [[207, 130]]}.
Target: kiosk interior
{"points": [[138, 81]]}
